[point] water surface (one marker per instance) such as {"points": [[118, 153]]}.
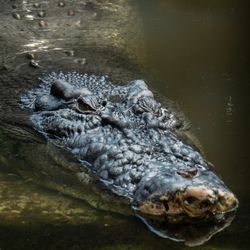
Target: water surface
{"points": [[195, 53]]}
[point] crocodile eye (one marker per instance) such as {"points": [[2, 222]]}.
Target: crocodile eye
{"points": [[104, 103], [83, 106]]}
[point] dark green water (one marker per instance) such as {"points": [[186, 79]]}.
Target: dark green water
{"points": [[193, 52]]}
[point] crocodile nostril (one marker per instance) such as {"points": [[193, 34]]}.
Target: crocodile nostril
{"points": [[190, 200], [204, 204], [221, 200]]}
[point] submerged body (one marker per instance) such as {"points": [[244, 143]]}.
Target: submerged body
{"points": [[131, 144]]}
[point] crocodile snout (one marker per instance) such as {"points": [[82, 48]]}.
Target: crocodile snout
{"points": [[199, 200], [193, 201]]}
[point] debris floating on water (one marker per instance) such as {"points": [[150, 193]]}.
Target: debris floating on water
{"points": [[17, 16]]}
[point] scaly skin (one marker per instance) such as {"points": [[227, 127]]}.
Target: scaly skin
{"points": [[130, 142]]}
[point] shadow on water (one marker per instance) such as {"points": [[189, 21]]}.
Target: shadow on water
{"points": [[194, 53]]}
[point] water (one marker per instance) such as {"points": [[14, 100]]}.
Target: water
{"points": [[194, 53]]}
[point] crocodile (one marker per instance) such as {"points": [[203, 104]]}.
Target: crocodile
{"points": [[132, 144]]}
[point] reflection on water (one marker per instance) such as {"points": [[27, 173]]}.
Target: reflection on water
{"points": [[191, 52], [229, 109], [193, 234]]}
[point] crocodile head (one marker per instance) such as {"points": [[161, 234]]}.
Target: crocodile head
{"points": [[182, 194], [132, 145]]}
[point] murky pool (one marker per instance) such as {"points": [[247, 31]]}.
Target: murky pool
{"points": [[192, 52]]}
